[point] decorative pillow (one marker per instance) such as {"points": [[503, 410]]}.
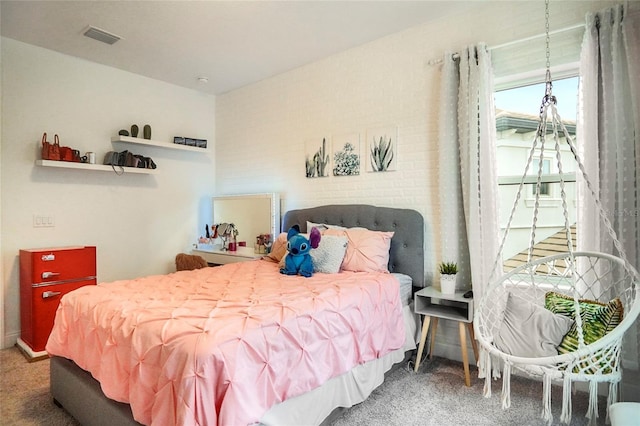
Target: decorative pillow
{"points": [[529, 330], [598, 319], [367, 251], [328, 256], [279, 248]]}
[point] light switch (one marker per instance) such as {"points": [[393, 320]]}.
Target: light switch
{"points": [[44, 221]]}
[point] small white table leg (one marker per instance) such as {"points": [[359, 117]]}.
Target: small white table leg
{"points": [[423, 339], [463, 348]]}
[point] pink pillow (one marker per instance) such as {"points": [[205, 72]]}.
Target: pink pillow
{"points": [[367, 251]]}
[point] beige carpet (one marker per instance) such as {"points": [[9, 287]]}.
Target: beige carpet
{"points": [[436, 395], [24, 392]]}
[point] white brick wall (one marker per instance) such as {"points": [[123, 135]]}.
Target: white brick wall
{"points": [[262, 128]]}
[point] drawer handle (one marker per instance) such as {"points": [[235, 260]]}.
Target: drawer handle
{"points": [[48, 294], [46, 275]]}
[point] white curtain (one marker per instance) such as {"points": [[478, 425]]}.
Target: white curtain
{"points": [[468, 183], [608, 133]]}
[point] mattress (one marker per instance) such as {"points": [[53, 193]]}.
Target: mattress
{"points": [[406, 288]]}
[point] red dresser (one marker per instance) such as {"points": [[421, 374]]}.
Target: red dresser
{"points": [[47, 274]]}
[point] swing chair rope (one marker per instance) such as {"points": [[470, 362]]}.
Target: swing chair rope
{"points": [[596, 361]]}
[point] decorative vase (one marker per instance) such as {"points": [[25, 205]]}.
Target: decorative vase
{"points": [[448, 283], [134, 130], [146, 131]]}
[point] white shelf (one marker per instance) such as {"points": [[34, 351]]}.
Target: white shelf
{"points": [[151, 142], [96, 167]]}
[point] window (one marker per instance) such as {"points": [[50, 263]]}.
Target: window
{"points": [[546, 170], [517, 117]]}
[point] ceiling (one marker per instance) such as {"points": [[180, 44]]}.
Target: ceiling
{"points": [[231, 43]]}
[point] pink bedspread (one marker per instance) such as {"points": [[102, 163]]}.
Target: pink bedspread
{"points": [[222, 345]]}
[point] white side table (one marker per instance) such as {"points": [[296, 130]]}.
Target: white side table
{"points": [[433, 304], [221, 257]]}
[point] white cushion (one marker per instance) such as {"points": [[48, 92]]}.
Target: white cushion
{"points": [[529, 330], [328, 256]]}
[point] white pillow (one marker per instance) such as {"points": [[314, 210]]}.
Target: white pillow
{"points": [[529, 330], [322, 226], [329, 255]]}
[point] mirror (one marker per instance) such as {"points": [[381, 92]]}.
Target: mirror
{"points": [[252, 214]]}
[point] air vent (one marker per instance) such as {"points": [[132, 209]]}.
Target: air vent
{"points": [[101, 35]]}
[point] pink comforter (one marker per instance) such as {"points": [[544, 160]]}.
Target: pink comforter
{"points": [[222, 345]]}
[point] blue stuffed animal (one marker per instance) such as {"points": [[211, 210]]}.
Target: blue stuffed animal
{"points": [[298, 260]]}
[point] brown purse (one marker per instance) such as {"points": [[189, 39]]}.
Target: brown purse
{"points": [[50, 151], [66, 153]]}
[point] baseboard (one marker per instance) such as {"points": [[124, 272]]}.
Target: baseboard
{"points": [[10, 339], [30, 353]]}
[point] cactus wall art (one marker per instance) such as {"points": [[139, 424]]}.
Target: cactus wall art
{"points": [[317, 158], [382, 149]]}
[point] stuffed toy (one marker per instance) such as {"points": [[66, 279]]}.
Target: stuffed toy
{"points": [[298, 260], [189, 262]]}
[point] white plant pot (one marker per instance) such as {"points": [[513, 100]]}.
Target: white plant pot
{"points": [[448, 283]]}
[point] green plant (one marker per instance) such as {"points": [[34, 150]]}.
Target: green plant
{"points": [[448, 268]]}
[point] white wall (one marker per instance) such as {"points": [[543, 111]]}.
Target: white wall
{"points": [[261, 129], [138, 222]]}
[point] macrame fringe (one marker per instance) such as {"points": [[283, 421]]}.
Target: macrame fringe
{"points": [[482, 354], [484, 371], [496, 365], [565, 416], [592, 411], [506, 386], [546, 399]]}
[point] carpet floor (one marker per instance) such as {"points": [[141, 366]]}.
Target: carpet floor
{"points": [[436, 396]]}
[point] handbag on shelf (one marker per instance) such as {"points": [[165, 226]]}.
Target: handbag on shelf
{"points": [[128, 159], [145, 162], [66, 153], [53, 151], [50, 151], [111, 158]]}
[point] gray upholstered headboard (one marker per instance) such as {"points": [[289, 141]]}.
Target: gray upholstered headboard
{"points": [[407, 245]]}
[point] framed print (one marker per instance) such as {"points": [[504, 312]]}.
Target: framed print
{"points": [[317, 158], [346, 155], [382, 149]]}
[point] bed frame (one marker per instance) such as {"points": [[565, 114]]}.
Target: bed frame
{"points": [[79, 393]]}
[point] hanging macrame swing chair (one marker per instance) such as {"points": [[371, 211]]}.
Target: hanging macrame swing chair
{"points": [[598, 292]]}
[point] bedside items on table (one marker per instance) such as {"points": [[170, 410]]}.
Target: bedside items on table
{"points": [[433, 304], [216, 256]]}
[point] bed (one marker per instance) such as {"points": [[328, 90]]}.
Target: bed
{"points": [[338, 356]]}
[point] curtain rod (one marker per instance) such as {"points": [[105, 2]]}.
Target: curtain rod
{"points": [[456, 55]]}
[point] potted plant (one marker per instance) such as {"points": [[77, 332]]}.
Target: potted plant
{"points": [[448, 271]]}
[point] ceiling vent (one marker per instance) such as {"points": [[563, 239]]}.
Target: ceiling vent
{"points": [[101, 35]]}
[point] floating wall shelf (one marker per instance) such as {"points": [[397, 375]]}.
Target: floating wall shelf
{"points": [[151, 142], [95, 167]]}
